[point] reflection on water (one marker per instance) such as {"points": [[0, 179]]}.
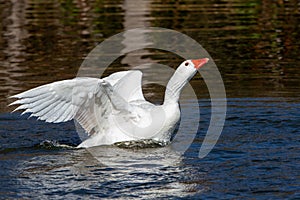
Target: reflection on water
{"points": [[256, 47], [254, 43], [76, 174], [136, 158], [256, 157]]}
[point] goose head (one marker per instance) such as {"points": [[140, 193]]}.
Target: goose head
{"points": [[185, 71], [188, 69]]}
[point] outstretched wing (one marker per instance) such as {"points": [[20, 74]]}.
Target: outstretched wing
{"points": [[64, 100], [87, 100], [127, 84]]}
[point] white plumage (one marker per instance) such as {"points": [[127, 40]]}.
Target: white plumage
{"points": [[112, 109]]}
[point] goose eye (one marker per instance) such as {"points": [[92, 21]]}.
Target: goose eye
{"points": [[186, 63]]}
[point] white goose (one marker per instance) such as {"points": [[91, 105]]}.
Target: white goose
{"points": [[112, 109]]}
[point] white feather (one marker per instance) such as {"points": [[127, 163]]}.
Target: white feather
{"points": [[112, 109], [74, 99]]}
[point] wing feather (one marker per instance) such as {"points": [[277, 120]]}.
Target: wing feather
{"points": [[45, 111], [61, 112], [37, 106], [62, 101], [55, 113], [128, 85], [87, 100]]}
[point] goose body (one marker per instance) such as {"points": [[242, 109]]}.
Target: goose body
{"points": [[112, 109]]}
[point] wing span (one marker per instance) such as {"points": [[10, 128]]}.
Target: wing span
{"points": [[65, 100], [87, 100]]}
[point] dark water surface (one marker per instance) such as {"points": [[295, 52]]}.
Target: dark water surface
{"points": [[256, 47]]}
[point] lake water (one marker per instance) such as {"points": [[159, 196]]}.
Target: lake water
{"points": [[256, 47]]}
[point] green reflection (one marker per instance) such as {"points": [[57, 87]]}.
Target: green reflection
{"points": [[255, 43]]}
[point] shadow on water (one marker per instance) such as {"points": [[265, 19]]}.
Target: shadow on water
{"points": [[256, 47]]}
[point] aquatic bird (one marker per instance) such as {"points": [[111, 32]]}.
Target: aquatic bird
{"points": [[112, 109]]}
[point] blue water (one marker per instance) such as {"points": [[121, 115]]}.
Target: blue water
{"points": [[257, 156], [256, 47]]}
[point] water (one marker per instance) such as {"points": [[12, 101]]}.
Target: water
{"points": [[256, 48]]}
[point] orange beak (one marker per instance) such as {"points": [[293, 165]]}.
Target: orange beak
{"points": [[200, 62]]}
